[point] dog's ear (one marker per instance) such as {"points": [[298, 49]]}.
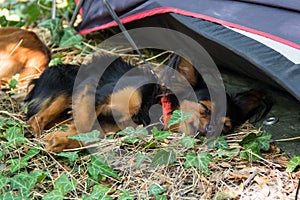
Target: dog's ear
{"points": [[253, 102], [187, 70]]}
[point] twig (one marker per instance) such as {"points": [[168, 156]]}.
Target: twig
{"points": [[255, 172]]}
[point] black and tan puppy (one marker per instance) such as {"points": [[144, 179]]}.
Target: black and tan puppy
{"points": [[115, 97]]}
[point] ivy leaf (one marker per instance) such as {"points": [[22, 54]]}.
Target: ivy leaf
{"points": [[64, 185], [219, 143], [228, 153], [13, 83], [99, 192], [17, 164], [160, 197], [188, 141], [127, 131], [263, 140], [125, 195], [293, 163], [163, 157], [10, 196], [177, 117], [160, 135], [251, 148], [55, 27], [96, 167], [3, 181], [200, 161], [141, 131], [131, 140], [31, 153], [54, 194], [156, 189], [32, 12], [71, 156], [23, 182], [140, 159], [14, 136], [70, 37], [92, 136]]}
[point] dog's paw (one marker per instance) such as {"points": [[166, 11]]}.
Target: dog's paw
{"points": [[59, 141]]}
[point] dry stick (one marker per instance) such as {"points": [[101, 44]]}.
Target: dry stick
{"points": [[287, 139], [269, 162], [11, 115], [20, 42], [255, 172]]}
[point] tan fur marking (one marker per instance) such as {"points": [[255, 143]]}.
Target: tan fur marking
{"points": [[48, 112]]}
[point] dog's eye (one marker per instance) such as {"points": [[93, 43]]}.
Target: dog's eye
{"points": [[206, 109]]}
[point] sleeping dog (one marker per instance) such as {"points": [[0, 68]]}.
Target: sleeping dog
{"points": [[22, 52], [121, 97]]}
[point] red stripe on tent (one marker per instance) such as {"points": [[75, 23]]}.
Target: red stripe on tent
{"points": [[163, 10]]}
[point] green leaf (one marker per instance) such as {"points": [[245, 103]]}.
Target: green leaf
{"points": [[200, 161], [31, 153], [293, 163], [163, 157], [127, 131], [14, 136], [188, 141], [13, 83], [125, 195], [23, 182], [96, 167], [177, 117], [64, 185], [70, 37], [131, 140], [141, 131], [10, 196], [92, 136], [160, 197], [263, 140], [32, 12], [54, 194], [140, 159], [3, 181], [99, 192], [55, 27], [160, 135], [71, 156], [156, 189], [55, 61], [219, 143], [17, 164], [251, 148], [227, 153]]}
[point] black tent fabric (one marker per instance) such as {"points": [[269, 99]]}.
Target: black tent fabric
{"points": [[257, 38]]}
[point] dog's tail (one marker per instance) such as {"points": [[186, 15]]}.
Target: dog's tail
{"points": [[54, 81]]}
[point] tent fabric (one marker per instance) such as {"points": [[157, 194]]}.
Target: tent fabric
{"points": [[275, 19], [208, 22]]}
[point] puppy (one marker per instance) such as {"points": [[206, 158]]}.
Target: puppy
{"points": [[240, 107], [109, 102], [22, 52]]}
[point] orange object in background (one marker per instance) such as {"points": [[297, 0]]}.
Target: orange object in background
{"points": [[23, 53]]}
